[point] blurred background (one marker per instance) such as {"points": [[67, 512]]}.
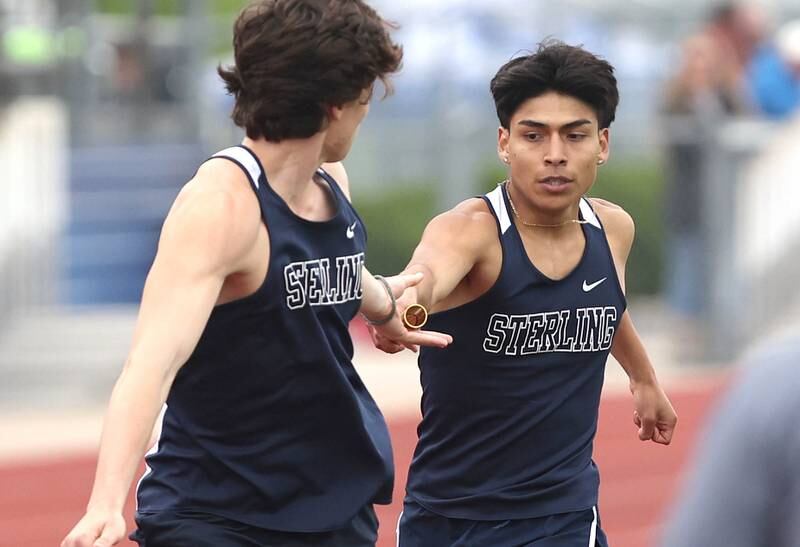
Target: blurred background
{"points": [[108, 106]]}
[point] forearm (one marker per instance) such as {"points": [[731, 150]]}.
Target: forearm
{"points": [[451, 246], [136, 402], [376, 304], [423, 292], [441, 275], [631, 354]]}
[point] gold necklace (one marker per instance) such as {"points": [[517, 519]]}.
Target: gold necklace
{"points": [[507, 183]]}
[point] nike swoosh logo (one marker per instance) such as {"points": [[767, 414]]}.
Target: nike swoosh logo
{"points": [[351, 231], [587, 287]]}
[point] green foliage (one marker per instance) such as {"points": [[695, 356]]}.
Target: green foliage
{"points": [[637, 187], [129, 7], [221, 42], [119, 7], [167, 7], [490, 174], [395, 220], [222, 12], [228, 7]]}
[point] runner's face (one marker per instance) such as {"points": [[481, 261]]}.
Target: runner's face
{"points": [[553, 147]]}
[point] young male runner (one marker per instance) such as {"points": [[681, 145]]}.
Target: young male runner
{"points": [[529, 280], [268, 437]]}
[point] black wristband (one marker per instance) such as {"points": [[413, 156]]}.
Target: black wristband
{"points": [[392, 313]]}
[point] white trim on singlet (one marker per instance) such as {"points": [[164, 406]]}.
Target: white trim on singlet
{"points": [[244, 158], [500, 209], [153, 450], [588, 214], [593, 529]]}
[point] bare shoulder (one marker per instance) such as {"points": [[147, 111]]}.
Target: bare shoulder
{"points": [[474, 206], [616, 220], [603, 206], [470, 219], [339, 174], [217, 210], [476, 210], [221, 187], [619, 229]]}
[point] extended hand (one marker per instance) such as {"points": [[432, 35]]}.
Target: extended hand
{"points": [[394, 336], [653, 414]]}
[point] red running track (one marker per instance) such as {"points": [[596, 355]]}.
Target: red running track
{"points": [[40, 502]]}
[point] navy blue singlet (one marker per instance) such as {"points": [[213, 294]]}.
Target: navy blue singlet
{"points": [[268, 422], [509, 409]]}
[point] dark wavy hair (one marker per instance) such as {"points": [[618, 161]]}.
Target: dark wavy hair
{"points": [[558, 67], [295, 58]]}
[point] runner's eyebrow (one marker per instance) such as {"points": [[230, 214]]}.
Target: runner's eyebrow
{"points": [[567, 126]]}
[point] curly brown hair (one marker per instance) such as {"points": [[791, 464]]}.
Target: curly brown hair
{"points": [[295, 58]]}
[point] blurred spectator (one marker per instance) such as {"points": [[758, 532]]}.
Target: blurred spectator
{"points": [[129, 73], [775, 73], [709, 86], [736, 30], [745, 490], [708, 80]]}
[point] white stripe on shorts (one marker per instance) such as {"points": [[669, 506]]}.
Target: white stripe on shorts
{"points": [[593, 529], [397, 530]]}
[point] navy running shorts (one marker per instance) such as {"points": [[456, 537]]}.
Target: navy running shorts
{"points": [[190, 529], [419, 527]]}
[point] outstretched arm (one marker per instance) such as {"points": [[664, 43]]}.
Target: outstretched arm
{"points": [[451, 247], [379, 307], [653, 413], [379, 302], [444, 256]]}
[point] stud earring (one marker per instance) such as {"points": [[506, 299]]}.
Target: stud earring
{"points": [[601, 162]]}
